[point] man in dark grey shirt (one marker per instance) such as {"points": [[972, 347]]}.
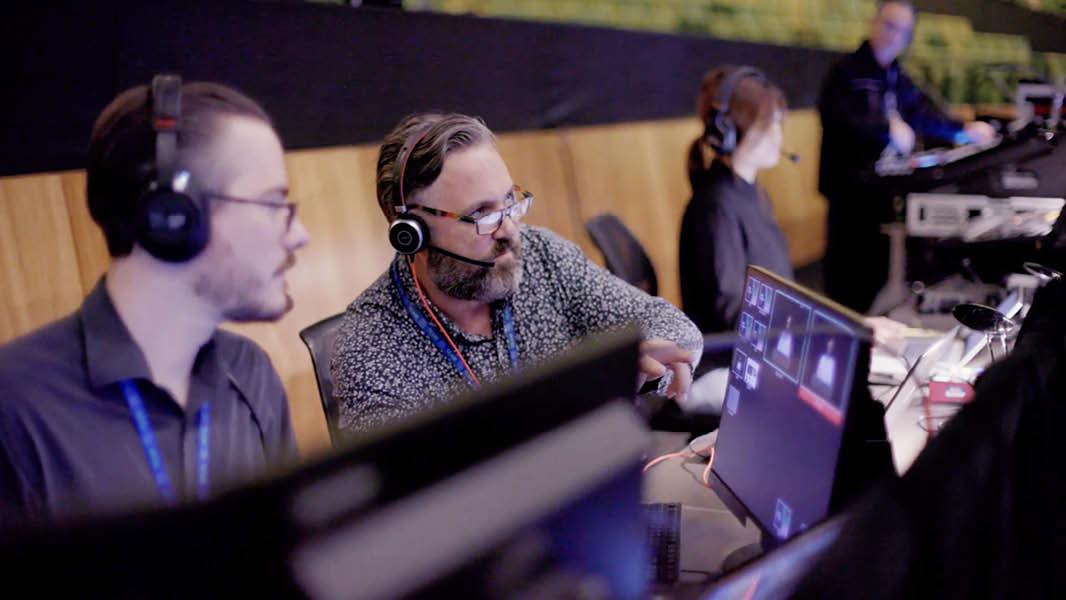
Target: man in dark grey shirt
{"points": [[480, 295], [137, 398]]}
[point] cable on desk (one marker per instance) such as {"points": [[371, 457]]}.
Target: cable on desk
{"points": [[707, 471], [705, 477], [655, 461]]}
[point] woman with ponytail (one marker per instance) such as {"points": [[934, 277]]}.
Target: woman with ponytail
{"points": [[729, 222]]}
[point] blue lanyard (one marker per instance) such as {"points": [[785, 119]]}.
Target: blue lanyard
{"points": [[508, 332], [151, 448], [442, 345]]}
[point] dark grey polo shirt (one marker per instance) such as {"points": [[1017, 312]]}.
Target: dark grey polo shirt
{"points": [[68, 445]]}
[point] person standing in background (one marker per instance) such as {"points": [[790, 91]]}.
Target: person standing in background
{"points": [[867, 105]]}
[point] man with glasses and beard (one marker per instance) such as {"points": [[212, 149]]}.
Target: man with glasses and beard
{"points": [[472, 294], [138, 398]]}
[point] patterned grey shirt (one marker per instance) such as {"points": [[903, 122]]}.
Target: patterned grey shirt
{"points": [[385, 367]]}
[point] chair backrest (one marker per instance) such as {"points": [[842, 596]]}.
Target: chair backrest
{"points": [[624, 255], [319, 340]]}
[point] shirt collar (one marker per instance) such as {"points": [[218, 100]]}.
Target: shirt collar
{"points": [[867, 53], [111, 354], [721, 171]]}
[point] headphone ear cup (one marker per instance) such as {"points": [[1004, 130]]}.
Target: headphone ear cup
{"points": [[172, 227], [729, 133], [408, 234], [721, 134]]}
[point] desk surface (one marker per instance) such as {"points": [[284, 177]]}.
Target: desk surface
{"points": [[709, 532], [907, 436], [902, 419]]}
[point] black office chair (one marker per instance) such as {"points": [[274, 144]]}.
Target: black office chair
{"points": [[319, 340], [624, 255]]}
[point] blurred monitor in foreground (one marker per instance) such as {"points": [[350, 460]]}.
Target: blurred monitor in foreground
{"points": [[528, 487], [778, 573]]}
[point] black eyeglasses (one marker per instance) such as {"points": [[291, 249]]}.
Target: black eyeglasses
{"points": [[288, 207], [520, 201]]}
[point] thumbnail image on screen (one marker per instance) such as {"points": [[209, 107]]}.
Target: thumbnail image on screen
{"points": [[789, 318], [786, 401]]}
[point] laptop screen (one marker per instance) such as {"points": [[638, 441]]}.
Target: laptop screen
{"points": [[786, 402]]}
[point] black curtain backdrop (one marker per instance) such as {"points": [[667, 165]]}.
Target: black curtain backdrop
{"points": [[332, 75]]}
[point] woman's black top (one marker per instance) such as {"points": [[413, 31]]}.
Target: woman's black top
{"points": [[727, 226]]}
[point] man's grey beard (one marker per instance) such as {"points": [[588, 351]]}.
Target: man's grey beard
{"points": [[470, 282]]}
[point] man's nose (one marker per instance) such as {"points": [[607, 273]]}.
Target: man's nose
{"points": [[508, 228], [297, 236]]}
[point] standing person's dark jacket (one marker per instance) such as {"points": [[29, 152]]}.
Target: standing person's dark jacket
{"points": [[854, 105], [727, 225], [854, 122]]}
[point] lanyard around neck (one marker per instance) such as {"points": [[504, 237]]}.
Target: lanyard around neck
{"points": [[151, 447], [438, 341]]}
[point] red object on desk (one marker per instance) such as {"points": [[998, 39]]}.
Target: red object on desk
{"points": [[950, 392]]}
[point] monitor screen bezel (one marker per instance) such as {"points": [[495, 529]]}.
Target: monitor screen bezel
{"points": [[859, 392]]}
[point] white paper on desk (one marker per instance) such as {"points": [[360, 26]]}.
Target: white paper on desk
{"points": [[949, 370], [885, 368]]}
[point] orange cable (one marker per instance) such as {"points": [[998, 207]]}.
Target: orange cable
{"points": [[707, 470], [660, 459], [418, 288]]}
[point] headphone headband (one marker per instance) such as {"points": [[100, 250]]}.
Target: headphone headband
{"points": [[166, 117], [721, 130], [725, 91], [400, 166], [174, 227], [408, 234]]}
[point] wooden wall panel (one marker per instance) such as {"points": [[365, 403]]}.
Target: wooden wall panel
{"points": [[51, 252], [793, 188], [93, 257], [638, 173], [348, 249], [537, 162], [40, 279]]}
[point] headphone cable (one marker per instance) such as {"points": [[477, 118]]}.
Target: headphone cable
{"points": [[421, 296]]}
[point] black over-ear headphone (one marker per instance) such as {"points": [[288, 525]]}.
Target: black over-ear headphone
{"points": [[721, 131], [408, 233], [173, 224]]}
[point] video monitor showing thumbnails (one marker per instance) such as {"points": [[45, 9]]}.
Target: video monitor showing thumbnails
{"points": [[786, 402]]}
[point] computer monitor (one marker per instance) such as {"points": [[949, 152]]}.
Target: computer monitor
{"points": [[532, 484], [798, 375]]}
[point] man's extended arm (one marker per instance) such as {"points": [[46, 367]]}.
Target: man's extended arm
{"points": [[595, 300], [923, 114]]}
